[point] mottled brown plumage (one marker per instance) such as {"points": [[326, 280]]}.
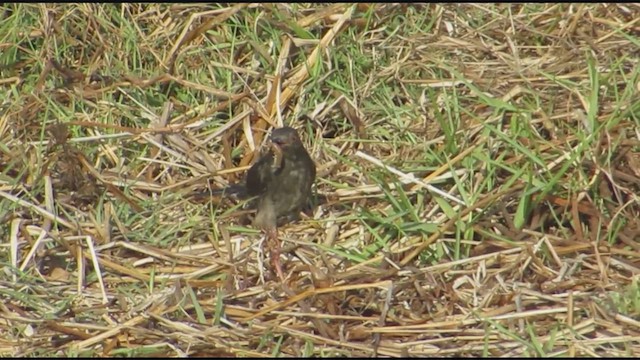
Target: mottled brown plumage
{"points": [[282, 180]]}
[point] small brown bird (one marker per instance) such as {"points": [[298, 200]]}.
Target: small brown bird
{"points": [[282, 180]]}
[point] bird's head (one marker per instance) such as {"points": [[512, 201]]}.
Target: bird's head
{"points": [[285, 137]]}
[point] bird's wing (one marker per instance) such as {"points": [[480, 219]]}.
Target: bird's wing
{"points": [[259, 175]]}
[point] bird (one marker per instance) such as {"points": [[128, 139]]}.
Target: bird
{"points": [[281, 181]]}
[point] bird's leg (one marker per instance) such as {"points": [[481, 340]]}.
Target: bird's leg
{"points": [[274, 250]]}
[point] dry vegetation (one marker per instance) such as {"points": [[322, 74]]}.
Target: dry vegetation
{"points": [[477, 191]]}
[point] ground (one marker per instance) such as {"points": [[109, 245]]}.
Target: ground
{"points": [[477, 189]]}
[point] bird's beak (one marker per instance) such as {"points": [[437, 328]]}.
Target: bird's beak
{"points": [[277, 142], [276, 146]]}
